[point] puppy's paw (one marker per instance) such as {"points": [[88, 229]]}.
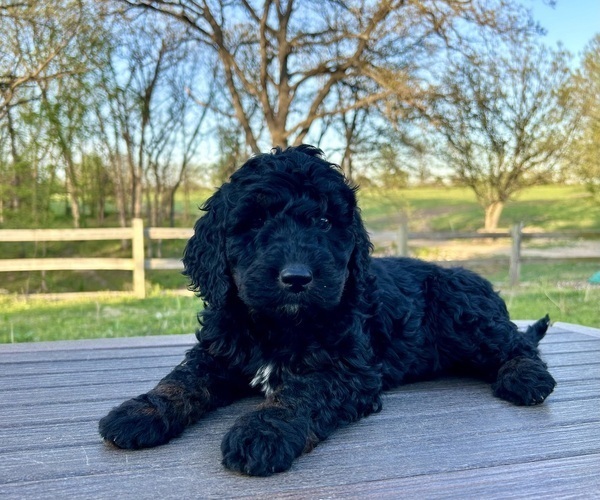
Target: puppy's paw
{"points": [[136, 423], [524, 381], [264, 442]]}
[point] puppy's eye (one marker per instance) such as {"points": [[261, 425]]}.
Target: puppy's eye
{"points": [[323, 223]]}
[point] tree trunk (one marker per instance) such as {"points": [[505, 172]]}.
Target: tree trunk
{"points": [[346, 163], [278, 138], [72, 191], [492, 215], [138, 191], [15, 202]]}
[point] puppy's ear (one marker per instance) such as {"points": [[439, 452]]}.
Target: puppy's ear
{"points": [[204, 255], [360, 260]]}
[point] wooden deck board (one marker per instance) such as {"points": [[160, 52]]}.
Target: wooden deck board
{"points": [[436, 439]]}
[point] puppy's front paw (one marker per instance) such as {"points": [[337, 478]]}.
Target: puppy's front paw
{"points": [[264, 442], [136, 423]]}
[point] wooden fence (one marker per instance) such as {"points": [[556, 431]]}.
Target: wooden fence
{"points": [[139, 235], [137, 263], [516, 234]]}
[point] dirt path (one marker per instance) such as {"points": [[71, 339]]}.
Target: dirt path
{"points": [[469, 249]]}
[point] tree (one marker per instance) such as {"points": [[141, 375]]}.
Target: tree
{"points": [[48, 50], [88, 95], [63, 109], [231, 154], [584, 150], [148, 123], [498, 116], [37, 46], [281, 60]]}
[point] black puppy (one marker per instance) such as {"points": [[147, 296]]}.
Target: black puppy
{"points": [[295, 307]]}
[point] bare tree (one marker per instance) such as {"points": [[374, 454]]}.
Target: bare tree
{"points": [[499, 119], [64, 120], [37, 43], [284, 58], [147, 119], [107, 118], [47, 52], [173, 144], [584, 90]]}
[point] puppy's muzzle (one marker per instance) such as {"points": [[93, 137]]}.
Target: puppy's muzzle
{"points": [[296, 277]]}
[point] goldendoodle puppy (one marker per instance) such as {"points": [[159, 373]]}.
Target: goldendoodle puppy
{"points": [[296, 308]]}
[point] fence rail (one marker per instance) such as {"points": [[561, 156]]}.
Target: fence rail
{"points": [[138, 263], [516, 234]]}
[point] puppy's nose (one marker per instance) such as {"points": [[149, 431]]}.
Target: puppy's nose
{"points": [[296, 277]]}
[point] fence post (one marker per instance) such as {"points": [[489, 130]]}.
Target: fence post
{"points": [[137, 244], [514, 272], [403, 237]]}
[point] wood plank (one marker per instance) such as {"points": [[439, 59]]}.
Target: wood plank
{"points": [[566, 235], [567, 390], [471, 404], [40, 396], [559, 332], [60, 264], [85, 234], [466, 389], [568, 364], [11, 358], [576, 372], [448, 236], [128, 365], [79, 355], [107, 376], [553, 348], [572, 358], [169, 233], [164, 264], [137, 254], [42, 369], [82, 295], [92, 344], [579, 329]]}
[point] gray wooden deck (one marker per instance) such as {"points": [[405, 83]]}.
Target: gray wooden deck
{"points": [[448, 438]]}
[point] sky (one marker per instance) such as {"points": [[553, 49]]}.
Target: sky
{"points": [[572, 22]]}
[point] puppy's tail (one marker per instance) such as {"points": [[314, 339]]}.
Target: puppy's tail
{"points": [[536, 332]]}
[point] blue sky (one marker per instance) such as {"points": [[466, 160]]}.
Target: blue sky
{"points": [[573, 22]]}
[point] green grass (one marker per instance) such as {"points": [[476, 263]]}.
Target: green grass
{"points": [[560, 290], [548, 208], [557, 287], [33, 320], [579, 306], [571, 273]]}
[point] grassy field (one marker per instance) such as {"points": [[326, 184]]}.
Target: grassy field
{"points": [[34, 319], [548, 208], [557, 287]]}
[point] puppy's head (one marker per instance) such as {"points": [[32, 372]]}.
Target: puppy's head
{"points": [[284, 236]]}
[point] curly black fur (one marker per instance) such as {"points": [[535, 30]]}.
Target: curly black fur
{"points": [[295, 307]]}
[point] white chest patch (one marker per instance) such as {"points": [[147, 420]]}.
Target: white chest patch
{"points": [[263, 374]]}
